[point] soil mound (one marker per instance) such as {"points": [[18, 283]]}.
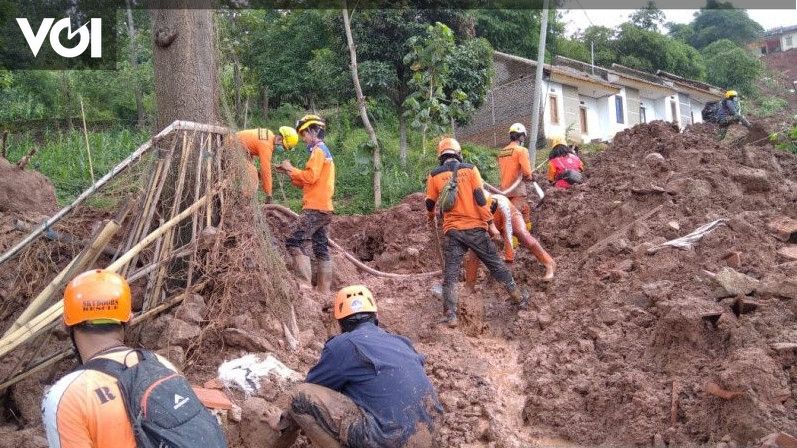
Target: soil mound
{"points": [[25, 192], [639, 337]]}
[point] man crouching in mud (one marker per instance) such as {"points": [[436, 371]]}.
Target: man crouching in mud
{"points": [[369, 388]]}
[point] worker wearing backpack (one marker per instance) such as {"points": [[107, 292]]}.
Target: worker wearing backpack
{"points": [[458, 187], [119, 397]]}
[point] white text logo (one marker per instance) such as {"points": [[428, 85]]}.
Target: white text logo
{"points": [[86, 37]]}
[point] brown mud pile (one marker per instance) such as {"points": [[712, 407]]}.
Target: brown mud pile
{"points": [[620, 349], [631, 340]]}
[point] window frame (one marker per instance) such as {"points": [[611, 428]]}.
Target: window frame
{"points": [[619, 109], [553, 109]]}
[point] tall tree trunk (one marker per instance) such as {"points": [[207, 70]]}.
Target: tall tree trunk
{"points": [[184, 51], [264, 104], [402, 137], [186, 80], [377, 157], [236, 76], [137, 88]]}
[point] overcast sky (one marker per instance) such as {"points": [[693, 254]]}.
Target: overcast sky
{"points": [[576, 19]]}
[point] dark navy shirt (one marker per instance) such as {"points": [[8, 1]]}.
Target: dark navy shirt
{"points": [[383, 374]]}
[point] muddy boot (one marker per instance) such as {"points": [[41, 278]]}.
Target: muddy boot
{"points": [[324, 276], [449, 307], [301, 265], [519, 298], [545, 258]]}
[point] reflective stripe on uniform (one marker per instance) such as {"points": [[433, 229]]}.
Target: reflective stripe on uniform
{"points": [[52, 398]]}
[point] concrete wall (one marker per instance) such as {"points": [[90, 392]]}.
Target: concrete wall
{"points": [[572, 105], [697, 111], [651, 112], [685, 104], [788, 41], [632, 102], [553, 91], [593, 119]]}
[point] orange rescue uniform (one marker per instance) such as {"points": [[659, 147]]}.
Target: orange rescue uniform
{"points": [[513, 161], [317, 179], [260, 143], [84, 409], [467, 213]]}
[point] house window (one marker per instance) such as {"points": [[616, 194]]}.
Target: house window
{"points": [[787, 42], [554, 109], [583, 120], [674, 111], [643, 118], [618, 108]]}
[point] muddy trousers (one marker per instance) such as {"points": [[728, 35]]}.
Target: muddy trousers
{"points": [[456, 244], [332, 420], [312, 225], [522, 204]]}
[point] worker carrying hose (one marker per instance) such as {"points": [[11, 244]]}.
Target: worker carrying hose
{"points": [[261, 143], [513, 161], [94, 405], [509, 222], [564, 166], [369, 389], [466, 219], [317, 181]]}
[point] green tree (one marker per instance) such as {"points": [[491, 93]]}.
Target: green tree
{"points": [[731, 67], [471, 71], [720, 20], [680, 31], [648, 18], [604, 41], [650, 50]]}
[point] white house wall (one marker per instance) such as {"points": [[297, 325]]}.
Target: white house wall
{"points": [[593, 119], [652, 111], [788, 41], [551, 130], [697, 111], [608, 115]]}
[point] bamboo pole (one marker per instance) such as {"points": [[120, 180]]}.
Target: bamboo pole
{"points": [[86, 258], [64, 354], [47, 317], [123, 165], [86, 135]]}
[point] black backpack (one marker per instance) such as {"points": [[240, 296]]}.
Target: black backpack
{"points": [[163, 409], [710, 111]]}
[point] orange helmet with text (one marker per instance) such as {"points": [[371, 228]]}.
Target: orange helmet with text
{"points": [[352, 300], [97, 297]]}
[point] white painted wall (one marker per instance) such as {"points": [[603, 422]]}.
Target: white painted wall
{"points": [[608, 115], [697, 111], [666, 109], [788, 41], [593, 119], [553, 88], [650, 109]]}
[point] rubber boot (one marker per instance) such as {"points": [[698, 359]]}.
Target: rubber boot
{"points": [[301, 265], [519, 298], [324, 276], [449, 307]]}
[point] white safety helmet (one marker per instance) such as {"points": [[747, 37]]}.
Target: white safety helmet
{"points": [[517, 127]]}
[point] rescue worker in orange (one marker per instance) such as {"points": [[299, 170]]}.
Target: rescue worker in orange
{"points": [[260, 143], [564, 167], [509, 222], [85, 408], [465, 226], [513, 162], [369, 389], [317, 181]]}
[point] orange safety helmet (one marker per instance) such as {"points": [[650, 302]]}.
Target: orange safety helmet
{"points": [[448, 145], [98, 297], [352, 300]]}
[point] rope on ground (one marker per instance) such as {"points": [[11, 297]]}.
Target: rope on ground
{"points": [[350, 257], [687, 241]]}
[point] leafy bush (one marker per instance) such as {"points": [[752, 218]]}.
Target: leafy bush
{"points": [[770, 106], [786, 140]]}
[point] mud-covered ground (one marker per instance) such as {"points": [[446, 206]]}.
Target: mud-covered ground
{"points": [[628, 346]]}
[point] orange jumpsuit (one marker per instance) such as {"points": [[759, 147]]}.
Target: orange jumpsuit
{"points": [[84, 409], [260, 143], [513, 161], [317, 179]]}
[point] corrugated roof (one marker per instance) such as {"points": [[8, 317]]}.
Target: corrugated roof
{"points": [[569, 71], [690, 82], [780, 30]]}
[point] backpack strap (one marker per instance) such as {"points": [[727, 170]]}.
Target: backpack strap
{"points": [[111, 367]]}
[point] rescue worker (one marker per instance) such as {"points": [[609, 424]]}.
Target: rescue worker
{"points": [[317, 181], [369, 388], [465, 226], [260, 142], [513, 161], [509, 222], [729, 111], [564, 167], [85, 408]]}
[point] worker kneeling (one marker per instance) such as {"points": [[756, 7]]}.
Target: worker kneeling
{"points": [[509, 221], [369, 388], [119, 397]]}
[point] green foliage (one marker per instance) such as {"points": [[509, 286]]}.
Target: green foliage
{"points": [[770, 106], [648, 18], [650, 50], [471, 71], [515, 31], [573, 49], [786, 140], [722, 21], [680, 31], [731, 67], [603, 40], [62, 156]]}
